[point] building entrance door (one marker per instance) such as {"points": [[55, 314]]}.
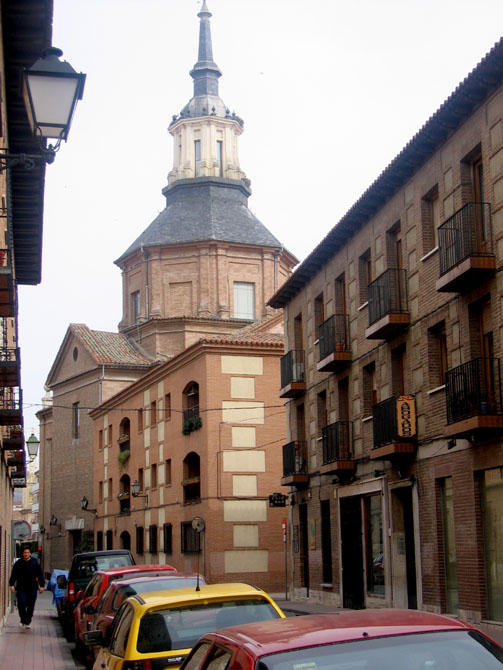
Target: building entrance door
{"points": [[403, 550], [352, 553], [304, 547]]}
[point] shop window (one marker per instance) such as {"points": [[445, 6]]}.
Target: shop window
{"points": [[449, 546], [167, 534], [374, 545]]}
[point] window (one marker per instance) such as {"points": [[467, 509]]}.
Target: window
{"points": [[168, 472], [139, 539], [75, 420], [190, 539], [319, 314], [322, 411], [167, 407], [244, 300], [110, 539], [374, 545], [437, 363], [100, 439], [449, 538], [135, 306], [197, 157], [153, 413], [365, 275], [220, 165], [120, 630], [99, 540], [326, 542], [140, 420], [369, 389], [152, 535], [167, 535], [297, 332], [430, 219], [153, 476], [140, 478], [100, 492], [110, 435]]}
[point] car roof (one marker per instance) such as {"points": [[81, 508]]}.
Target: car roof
{"points": [[308, 630], [156, 577], [206, 591], [110, 552], [127, 569]]}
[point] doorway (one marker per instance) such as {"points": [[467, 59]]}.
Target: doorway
{"points": [[403, 549], [304, 547], [352, 553]]}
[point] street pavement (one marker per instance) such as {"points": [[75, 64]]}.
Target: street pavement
{"points": [[44, 647]]}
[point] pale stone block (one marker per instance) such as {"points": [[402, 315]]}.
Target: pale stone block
{"points": [[240, 411], [161, 472], [413, 283], [245, 510], [498, 222], [352, 289], [409, 192], [414, 307], [146, 438], [245, 536], [105, 421], [379, 266], [160, 389], [417, 378], [162, 516], [146, 478], [244, 436], [247, 365], [411, 237], [449, 206], [448, 180], [496, 163], [246, 561], [412, 260], [147, 457], [351, 269], [160, 432], [244, 461], [494, 107], [496, 135], [421, 424], [146, 398], [385, 392], [378, 245], [455, 335], [498, 191], [161, 498], [148, 517], [242, 387], [244, 485], [105, 456], [409, 217]]}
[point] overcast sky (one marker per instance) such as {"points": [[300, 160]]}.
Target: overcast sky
{"points": [[329, 91]]}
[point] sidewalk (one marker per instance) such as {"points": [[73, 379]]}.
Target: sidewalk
{"points": [[43, 647]]}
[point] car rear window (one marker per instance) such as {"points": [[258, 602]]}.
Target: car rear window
{"points": [[445, 650], [181, 627], [154, 585]]}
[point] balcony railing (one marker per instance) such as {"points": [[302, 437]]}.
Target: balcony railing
{"points": [[467, 233], [10, 406], [394, 427], [388, 295], [292, 367], [295, 458], [337, 442], [473, 389], [334, 335], [191, 413]]}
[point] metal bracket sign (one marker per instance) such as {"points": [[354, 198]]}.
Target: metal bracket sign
{"points": [[277, 500]]}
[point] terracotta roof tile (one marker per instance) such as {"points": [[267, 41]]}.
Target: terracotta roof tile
{"points": [[107, 347]]}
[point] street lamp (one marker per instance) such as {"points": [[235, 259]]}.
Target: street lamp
{"points": [[84, 506], [135, 490], [32, 444], [51, 90]]}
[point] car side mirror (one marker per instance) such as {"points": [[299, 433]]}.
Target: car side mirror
{"points": [[89, 609], [94, 638], [62, 582]]}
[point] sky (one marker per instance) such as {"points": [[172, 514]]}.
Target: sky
{"points": [[330, 92]]}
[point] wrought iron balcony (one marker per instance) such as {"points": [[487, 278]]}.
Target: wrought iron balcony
{"points": [[473, 399], [394, 426], [333, 341], [466, 249], [338, 448], [11, 406], [14, 440], [9, 367], [7, 291], [293, 381], [388, 305], [295, 470]]}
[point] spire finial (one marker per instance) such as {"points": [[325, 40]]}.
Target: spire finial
{"points": [[205, 72]]}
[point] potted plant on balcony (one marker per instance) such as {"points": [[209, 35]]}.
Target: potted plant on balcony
{"points": [[190, 424], [123, 458]]}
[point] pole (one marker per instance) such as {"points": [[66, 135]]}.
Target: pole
{"points": [[283, 525]]}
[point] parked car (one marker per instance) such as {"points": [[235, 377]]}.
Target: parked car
{"points": [[88, 599], [82, 569], [120, 589], [365, 639], [157, 630]]}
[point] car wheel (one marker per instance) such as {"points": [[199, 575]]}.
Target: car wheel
{"points": [[80, 647]]}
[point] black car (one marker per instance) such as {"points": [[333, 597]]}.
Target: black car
{"points": [[81, 571]]}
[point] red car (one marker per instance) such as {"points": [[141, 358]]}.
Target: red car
{"points": [[365, 639], [121, 589], [96, 587]]}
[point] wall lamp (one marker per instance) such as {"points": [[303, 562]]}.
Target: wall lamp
{"points": [[84, 506], [51, 90], [135, 490], [32, 445], [53, 520]]}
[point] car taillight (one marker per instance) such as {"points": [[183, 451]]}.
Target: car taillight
{"points": [[71, 592], [137, 665]]}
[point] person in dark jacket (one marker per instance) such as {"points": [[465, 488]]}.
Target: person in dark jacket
{"points": [[26, 579]]}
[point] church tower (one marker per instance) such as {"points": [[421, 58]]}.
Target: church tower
{"points": [[206, 265]]}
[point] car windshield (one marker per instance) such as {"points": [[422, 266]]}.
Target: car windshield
{"points": [[181, 627], [450, 650], [152, 585]]}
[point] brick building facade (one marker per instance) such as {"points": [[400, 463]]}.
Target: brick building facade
{"points": [[392, 376]]}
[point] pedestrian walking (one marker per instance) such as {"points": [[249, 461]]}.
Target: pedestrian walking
{"points": [[26, 579]]}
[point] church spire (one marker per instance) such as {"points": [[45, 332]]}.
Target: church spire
{"points": [[205, 72]]}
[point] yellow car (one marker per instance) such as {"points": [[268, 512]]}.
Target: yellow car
{"points": [[153, 631]]}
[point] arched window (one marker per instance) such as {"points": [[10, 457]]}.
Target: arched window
{"points": [[124, 435], [125, 538], [191, 479], [190, 403], [124, 494]]}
